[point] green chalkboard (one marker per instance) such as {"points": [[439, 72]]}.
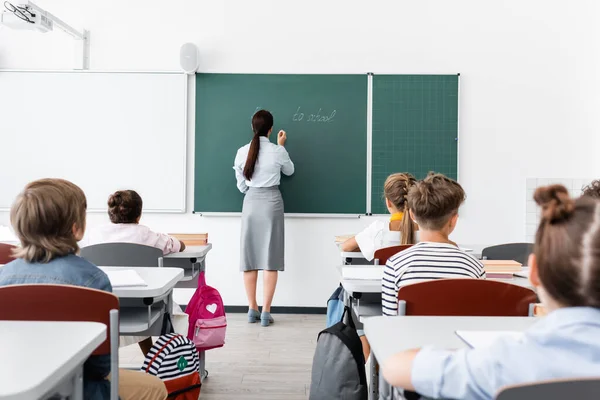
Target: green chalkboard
{"points": [[415, 128], [325, 117]]}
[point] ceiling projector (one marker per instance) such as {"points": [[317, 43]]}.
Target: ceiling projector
{"points": [[37, 21]]}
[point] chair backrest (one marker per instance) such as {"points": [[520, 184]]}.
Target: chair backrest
{"points": [[510, 251], [6, 253], [580, 389], [59, 303], [382, 255], [123, 255], [465, 297], [67, 303]]}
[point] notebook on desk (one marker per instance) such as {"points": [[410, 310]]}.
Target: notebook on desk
{"points": [[125, 278], [476, 339]]}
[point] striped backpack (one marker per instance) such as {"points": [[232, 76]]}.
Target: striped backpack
{"points": [[174, 359]]}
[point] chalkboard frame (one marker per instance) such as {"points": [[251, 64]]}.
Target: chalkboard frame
{"points": [[368, 148]]}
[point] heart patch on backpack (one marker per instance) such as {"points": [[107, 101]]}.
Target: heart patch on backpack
{"points": [[211, 308]]}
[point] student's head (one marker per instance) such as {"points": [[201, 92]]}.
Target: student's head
{"points": [[434, 203], [125, 207], [566, 259], [593, 189], [48, 216], [262, 125], [395, 191]]}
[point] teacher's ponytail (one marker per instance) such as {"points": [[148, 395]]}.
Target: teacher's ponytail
{"points": [[262, 122]]}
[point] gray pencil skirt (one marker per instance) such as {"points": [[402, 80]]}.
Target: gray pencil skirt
{"points": [[263, 237]]}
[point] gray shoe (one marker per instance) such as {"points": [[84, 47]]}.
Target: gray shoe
{"points": [[266, 319], [253, 316]]}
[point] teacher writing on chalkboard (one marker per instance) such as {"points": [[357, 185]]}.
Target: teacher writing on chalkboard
{"points": [[258, 167]]}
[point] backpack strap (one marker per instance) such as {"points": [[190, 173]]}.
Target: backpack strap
{"points": [[201, 279], [350, 320], [160, 351]]}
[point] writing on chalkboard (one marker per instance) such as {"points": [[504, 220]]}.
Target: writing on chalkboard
{"points": [[299, 116], [320, 116]]}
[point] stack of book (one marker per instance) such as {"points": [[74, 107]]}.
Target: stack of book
{"points": [[192, 239], [501, 269]]}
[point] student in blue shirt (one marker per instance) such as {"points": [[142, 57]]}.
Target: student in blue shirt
{"points": [[49, 219], [565, 269]]}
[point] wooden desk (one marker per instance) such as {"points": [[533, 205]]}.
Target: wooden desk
{"points": [[34, 369]]}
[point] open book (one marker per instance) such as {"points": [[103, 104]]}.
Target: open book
{"points": [[125, 278]]}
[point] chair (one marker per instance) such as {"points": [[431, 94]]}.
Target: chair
{"points": [[6, 253], [123, 255], [67, 303], [466, 297], [510, 251], [580, 389], [382, 255]]}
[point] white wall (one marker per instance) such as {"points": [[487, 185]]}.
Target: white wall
{"points": [[529, 94]]}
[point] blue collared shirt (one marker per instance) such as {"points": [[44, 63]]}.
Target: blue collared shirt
{"points": [[564, 344]]}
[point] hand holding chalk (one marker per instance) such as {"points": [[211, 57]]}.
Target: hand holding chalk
{"points": [[281, 138]]}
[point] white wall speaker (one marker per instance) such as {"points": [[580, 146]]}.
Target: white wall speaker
{"points": [[189, 58]]}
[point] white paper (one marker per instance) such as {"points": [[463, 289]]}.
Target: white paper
{"points": [[125, 278], [364, 272], [524, 273], [485, 338]]}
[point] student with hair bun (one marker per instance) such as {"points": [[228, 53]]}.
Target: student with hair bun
{"points": [[125, 212], [565, 269]]}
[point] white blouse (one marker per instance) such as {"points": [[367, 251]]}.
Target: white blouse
{"points": [[272, 161], [376, 236]]}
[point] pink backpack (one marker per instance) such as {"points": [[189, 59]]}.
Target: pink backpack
{"points": [[207, 317]]}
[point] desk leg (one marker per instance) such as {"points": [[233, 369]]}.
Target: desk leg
{"points": [[203, 371], [78, 384], [374, 371]]}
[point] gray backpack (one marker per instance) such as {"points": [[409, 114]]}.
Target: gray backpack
{"points": [[338, 370]]}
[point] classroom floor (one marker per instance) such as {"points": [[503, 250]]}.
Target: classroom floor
{"points": [[271, 363]]}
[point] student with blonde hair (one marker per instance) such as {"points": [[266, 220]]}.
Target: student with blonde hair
{"points": [[400, 229], [565, 269], [49, 219]]}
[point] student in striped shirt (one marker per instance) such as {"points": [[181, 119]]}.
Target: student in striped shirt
{"points": [[433, 204]]}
